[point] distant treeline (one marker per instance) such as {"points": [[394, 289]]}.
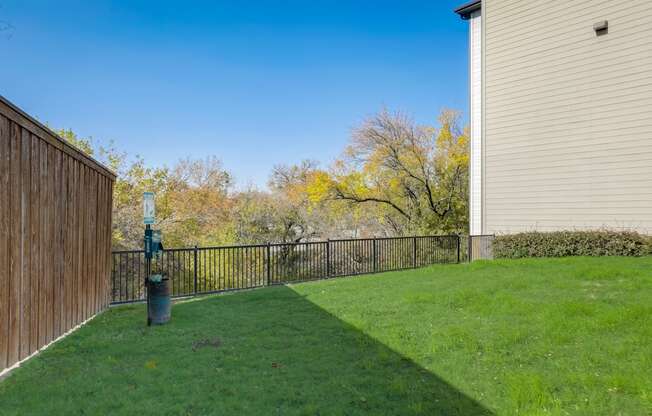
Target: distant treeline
{"points": [[394, 178]]}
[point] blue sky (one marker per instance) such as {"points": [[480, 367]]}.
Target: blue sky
{"points": [[256, 83]]}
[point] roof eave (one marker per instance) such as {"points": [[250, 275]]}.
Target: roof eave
{"points": [[466, 9]]}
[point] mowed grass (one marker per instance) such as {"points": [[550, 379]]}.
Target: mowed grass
{"points": [[528, 337]]}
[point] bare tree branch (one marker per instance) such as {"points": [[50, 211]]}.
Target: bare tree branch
{"points": [[423, 165], [342, 196]]}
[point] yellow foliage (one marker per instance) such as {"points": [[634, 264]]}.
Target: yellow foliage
{"points": [[319, 186]]}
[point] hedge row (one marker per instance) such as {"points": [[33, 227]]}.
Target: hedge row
{"points": [[571, 243]]}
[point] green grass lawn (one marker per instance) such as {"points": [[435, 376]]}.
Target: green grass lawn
{"points": [[528, 337]]}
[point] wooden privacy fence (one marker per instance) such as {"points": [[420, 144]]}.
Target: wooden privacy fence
{"points": [[55, 236]]}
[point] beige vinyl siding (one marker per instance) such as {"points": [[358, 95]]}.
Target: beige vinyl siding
{"points": [[568, 115], [475, 70]]}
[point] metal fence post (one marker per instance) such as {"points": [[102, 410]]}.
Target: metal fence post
{"points": [[414, 252], [375, 256], [459, 243], [328, 257], [269, 263], [195, 269]]}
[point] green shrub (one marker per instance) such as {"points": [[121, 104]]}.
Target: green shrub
{"points": [[571, 243]]}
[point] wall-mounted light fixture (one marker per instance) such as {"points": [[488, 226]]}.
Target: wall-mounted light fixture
{"points": [[601, 28]]}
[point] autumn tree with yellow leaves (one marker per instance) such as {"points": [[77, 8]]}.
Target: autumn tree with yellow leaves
{"points": [[394, 178], [415, 178]]}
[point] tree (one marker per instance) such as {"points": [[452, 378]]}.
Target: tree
{"points": [[414, 176], [132, 180], [395, 178], [284, 213], [192, 198], [192, 202], [84, 144], [198, 202]]}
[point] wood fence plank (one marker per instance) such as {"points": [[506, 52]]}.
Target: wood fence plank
{"points": [[4, 238], [80, 243], [57, 251], [85, 237], [109, 226], [14, 246], [102, 254], [104, 278], [108, 241], [62, 252], [98, 230], [91, 242], [63, 244], [42, 276], [73, 214], [49, 298], [46, 247], [106, 232], [36, 248], [79, 230], [25, 249], [98, 245], [67, 267]]}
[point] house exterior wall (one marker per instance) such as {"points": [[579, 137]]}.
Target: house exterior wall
{"points": [[567, 115], [475, 87]]}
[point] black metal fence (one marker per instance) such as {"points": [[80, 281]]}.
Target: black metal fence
{"points": [[201, 270]]}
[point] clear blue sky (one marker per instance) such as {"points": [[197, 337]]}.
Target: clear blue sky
{"points": [[256, 83]]}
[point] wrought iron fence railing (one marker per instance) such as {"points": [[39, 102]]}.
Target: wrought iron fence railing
{"points": [[202, 270]]}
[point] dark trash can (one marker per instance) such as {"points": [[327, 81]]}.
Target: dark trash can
{"points": [[159, 303]]}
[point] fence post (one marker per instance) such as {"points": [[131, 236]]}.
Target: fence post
{"points": [[195, 269], [328, 257], [375, 255], [459, 243], [269, 263], [414, 252], [470, 249]]}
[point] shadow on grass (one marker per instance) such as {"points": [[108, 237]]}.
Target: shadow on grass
{"points": [[362, 373], [265, 352]]}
